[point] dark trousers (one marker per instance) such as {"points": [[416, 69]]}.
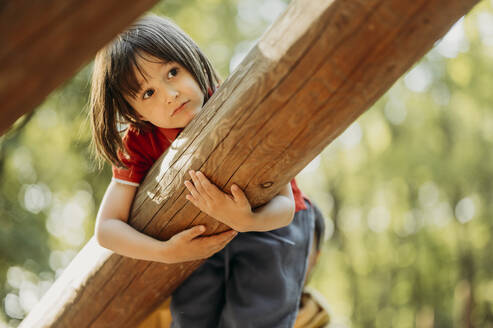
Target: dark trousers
{"points": [[255, 281]]}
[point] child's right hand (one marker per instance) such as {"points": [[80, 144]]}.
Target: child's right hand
{"points": [[188, 246]]}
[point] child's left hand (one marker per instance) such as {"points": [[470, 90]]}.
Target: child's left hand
{"points": [[234, 211]]}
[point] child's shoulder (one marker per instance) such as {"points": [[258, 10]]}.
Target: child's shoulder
{"points": [[133, 133], [138, 141], [139, 146]]}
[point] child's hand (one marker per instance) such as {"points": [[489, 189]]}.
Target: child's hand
{"points": [[188, 246], [234, 211]]}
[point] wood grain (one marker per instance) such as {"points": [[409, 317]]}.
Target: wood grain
{"points": [[44, 42], [319, 67]]}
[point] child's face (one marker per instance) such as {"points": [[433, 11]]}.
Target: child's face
{"points": [[170, 97]]}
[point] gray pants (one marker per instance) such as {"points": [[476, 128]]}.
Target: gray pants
{"points": [[255, 281]]}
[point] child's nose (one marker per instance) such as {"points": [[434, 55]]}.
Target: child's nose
{"points": [[171, 95]]}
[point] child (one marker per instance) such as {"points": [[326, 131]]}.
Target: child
{"points": [[155, 79]]}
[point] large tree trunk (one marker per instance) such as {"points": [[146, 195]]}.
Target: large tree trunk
{"points": [[320, 66], [43, 43]]}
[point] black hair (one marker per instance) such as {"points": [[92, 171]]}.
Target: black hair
{"points": [[114, 78]]}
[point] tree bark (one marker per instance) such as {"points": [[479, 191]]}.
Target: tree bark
{"points": [[319, 67]]}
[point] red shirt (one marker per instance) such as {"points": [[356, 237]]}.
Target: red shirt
{"points": [[145, 148]]}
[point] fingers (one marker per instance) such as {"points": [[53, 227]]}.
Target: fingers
{"points": [[194, 194], [202, 191], [238, 194], [197, 183], [221, 237], [217, 242], [191, 233]]}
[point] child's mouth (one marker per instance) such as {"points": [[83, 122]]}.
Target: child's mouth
{"points": [[180, 108]]}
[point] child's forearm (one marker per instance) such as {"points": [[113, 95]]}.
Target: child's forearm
{"points": [[122, 239], [277, 213], [187, 245]]}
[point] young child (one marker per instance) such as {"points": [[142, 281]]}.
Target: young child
{"points": [[154, 79]]}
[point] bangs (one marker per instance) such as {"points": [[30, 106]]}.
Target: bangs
{"points": [[123, 79], [155, 40]]}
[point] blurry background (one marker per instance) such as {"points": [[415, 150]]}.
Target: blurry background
{"points": [[407, 189]]}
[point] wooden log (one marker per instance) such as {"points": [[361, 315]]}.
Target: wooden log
{"points": [[43, 43], [320, 66]]}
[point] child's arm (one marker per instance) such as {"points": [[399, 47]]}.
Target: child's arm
{"points": [[235, 211], [113, 232]]}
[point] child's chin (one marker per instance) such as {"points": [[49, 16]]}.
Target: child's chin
{"points": [[190, 116]]}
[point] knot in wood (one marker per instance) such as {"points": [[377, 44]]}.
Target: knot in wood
{"points": [[267, 184]]}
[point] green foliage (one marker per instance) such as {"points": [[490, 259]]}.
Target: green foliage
{"points": [[406, 189]]}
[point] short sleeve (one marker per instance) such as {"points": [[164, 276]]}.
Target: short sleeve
{"points": [[137, 160], [299, 197]]}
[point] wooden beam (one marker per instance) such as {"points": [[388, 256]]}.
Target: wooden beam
{"points": [[320, 66], [43, 43]]}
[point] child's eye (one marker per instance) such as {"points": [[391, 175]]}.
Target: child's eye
{"points": [[148, 94], [172, 72]]}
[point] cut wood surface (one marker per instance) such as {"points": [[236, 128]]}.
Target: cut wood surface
{"points": [[43, 43], [319, 67]]}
